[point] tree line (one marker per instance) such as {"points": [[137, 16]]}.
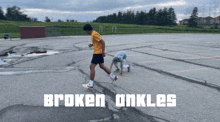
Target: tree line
{"points": [[162, 17], [14, 14]]}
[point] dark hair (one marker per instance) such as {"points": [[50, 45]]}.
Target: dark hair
{"points": [[87, 27]]}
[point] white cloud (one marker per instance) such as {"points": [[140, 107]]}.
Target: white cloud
{"points": [[182, 16], [54, 15], [167, 4], [4, 10], [45, 11], [88, 10], [92, 14], [137, 7], [173, 3]]}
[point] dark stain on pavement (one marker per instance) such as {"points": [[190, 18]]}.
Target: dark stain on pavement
{"points": [[26, 113], [127, 114]]}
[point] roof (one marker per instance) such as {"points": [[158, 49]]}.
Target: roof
{"points": [[31, 26]]}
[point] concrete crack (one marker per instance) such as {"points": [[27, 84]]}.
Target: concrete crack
{"points": [[180, 60], [179, 77], [112, 95]]}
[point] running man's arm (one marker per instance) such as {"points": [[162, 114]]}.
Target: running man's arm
{"points": [[103, 47], [90, 45]]}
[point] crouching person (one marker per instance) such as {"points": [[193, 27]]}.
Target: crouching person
{"points": [[120, 57]]}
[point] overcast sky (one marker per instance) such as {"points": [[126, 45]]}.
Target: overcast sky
{"points": [[89, 10]]}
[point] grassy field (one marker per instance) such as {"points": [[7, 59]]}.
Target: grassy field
{"points": [[76, 28]]}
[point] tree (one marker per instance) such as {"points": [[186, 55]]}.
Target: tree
{"points": [[11, 13], [193, 18], [130, 17], [14, 14], [60, 20], [172, 16], [152, 16], [162, 17], [119, 18], [34, 20], [2, 16], [141, 18], [47, 19], [159, 20], [165, 17], [114, 18]]}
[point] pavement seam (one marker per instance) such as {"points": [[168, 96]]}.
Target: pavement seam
{"points": [[180, 77], [177, 76], [180, 60]]}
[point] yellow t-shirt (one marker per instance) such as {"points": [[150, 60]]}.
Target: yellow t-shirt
{"points": [[95, 39]]}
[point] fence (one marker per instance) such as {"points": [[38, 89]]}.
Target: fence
{"points": [[52, 31], [41, 31]]}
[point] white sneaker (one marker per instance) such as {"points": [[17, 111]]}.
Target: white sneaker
{"points": [[88, 86], [114, 78]]}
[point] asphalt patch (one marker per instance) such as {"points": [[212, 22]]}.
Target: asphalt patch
{"points": [[26, 113]]}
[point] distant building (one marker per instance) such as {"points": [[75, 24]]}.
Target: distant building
{"points": [[184, 22], [203, 21]]}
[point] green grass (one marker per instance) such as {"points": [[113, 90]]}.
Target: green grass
{"points": [[76, 28], [13, 35]]}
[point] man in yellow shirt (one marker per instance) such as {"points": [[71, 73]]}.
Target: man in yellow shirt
{"points": [[98, 56]]}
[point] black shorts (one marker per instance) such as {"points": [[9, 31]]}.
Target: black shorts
{"points": [[97, 59]]}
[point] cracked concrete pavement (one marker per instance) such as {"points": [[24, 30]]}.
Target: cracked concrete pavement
{"points": [[183, 64]]}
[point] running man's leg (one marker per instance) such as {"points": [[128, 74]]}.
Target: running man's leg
{"points": [[92, 76], [92, 71], [106, 69], [113, 77]]}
